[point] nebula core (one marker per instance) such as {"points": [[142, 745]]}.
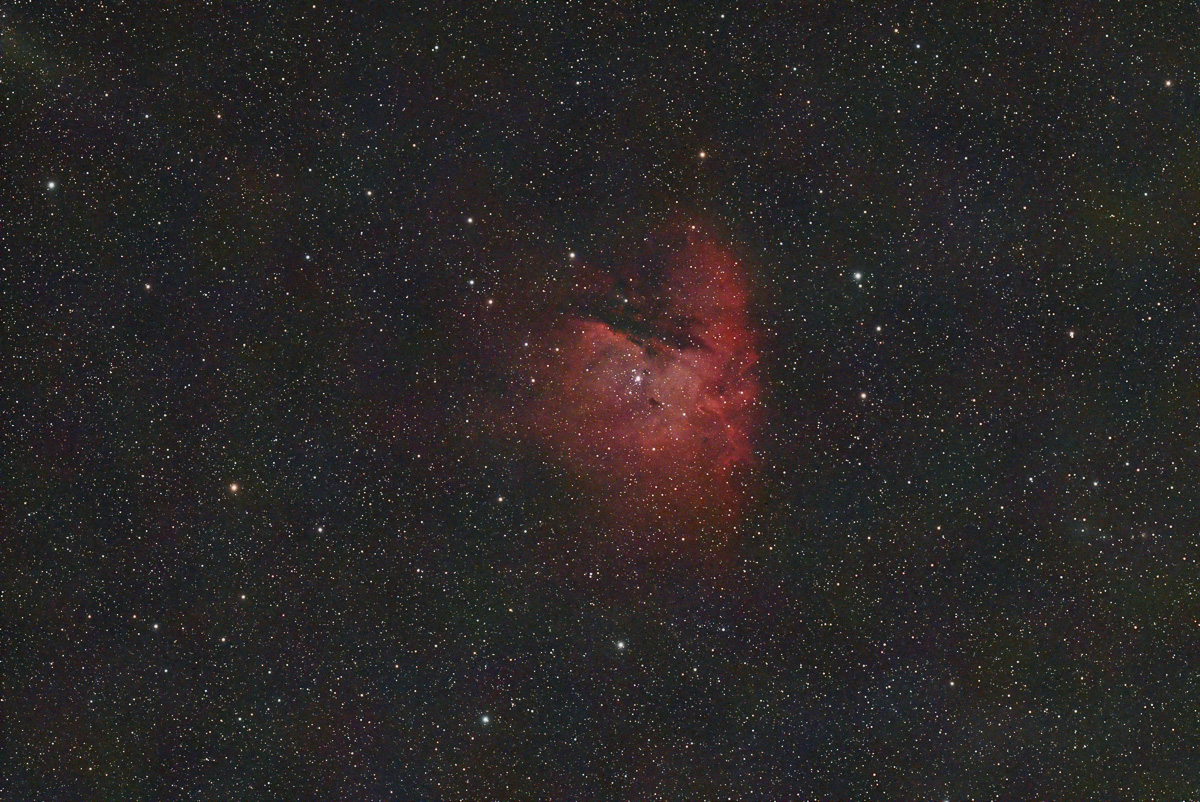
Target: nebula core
{"points": [[650, 392]]}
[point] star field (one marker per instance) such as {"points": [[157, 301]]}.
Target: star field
{"points": [[599, 400]]}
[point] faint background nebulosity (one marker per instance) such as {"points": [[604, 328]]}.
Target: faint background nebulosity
{"points": [[530, 400]]}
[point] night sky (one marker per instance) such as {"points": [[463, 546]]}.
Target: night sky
{"points": [[608, 400]]}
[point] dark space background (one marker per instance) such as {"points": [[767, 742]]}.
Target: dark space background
{"points": [[292, 248]]}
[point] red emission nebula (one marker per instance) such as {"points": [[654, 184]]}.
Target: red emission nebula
{"points": [[648, 390]]}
